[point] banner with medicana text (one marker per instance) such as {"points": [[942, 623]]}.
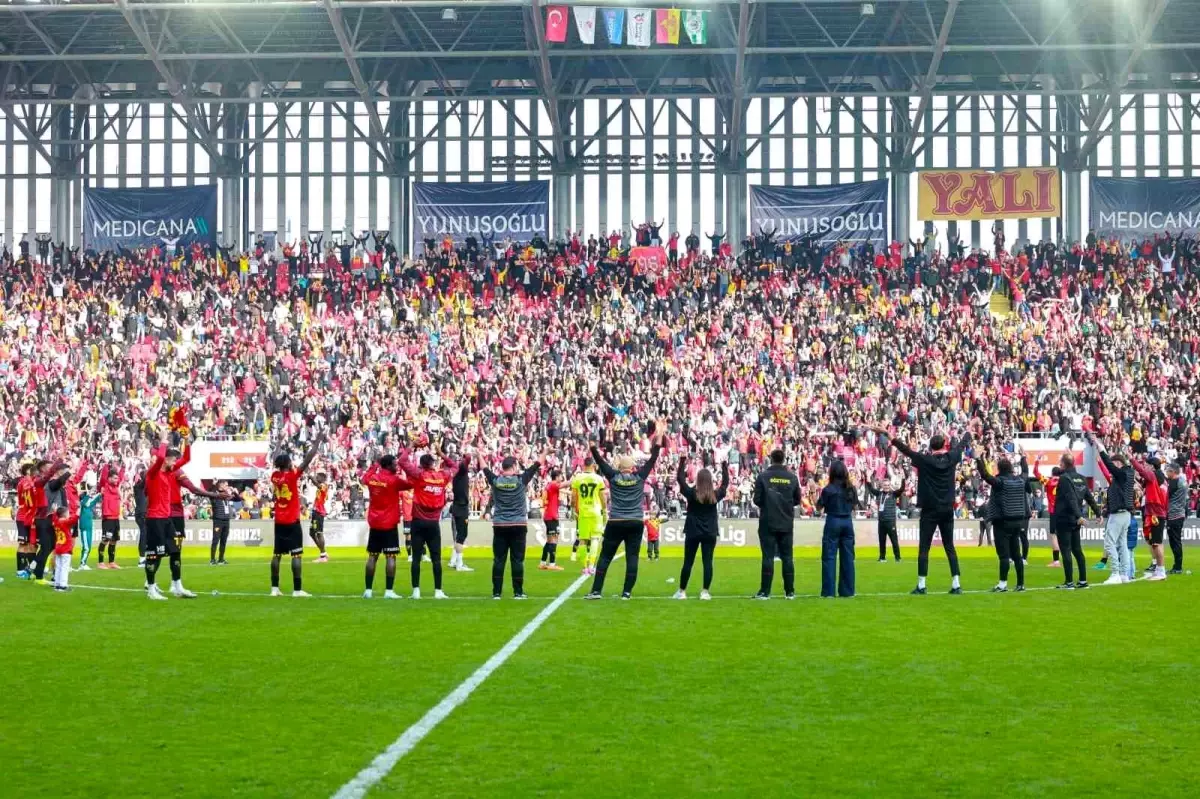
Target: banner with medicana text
{"points": [[1144, 207], [960, 194], [516, 210], [163, 217]]}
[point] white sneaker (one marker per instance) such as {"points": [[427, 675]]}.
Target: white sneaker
{"points": [[275, 591], [153, 593], [680, 595], [1114, 579], [426, 559], [705, 595], [440, 595], [1125, 578], [1157, 576], [416, 594], [391, 595], [301, 594], [462, 567], [83, 567], [182, 593], [368, 594], [410, 558]]}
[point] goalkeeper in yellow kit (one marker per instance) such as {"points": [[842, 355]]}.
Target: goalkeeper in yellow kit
{"points": [[588, 498]]}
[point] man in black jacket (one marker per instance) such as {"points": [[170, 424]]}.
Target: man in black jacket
{"points": [[935, 497], [1069, 497], [1008, 509], [777, 493]]}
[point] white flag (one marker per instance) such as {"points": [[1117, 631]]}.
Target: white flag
{"points": [[585, 23], [641, 26]]}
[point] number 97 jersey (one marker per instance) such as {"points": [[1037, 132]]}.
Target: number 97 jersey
{"points": [[588, 487]]}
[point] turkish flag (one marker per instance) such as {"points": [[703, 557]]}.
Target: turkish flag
{"points": [[556, 23]]}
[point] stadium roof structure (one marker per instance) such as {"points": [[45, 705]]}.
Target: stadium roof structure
{"points": [[246, 51]]}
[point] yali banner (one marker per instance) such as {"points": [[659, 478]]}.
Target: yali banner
{"points": [[517, 210], [114, 218], [1144, 207], [853, 212]]}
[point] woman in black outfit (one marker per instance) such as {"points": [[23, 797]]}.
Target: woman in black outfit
{"points": [[838, 499], [700, 528]]}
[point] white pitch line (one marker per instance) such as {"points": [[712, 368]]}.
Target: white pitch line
{"points": [[382, 765]]}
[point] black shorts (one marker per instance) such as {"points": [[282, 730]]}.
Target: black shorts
{"points": [[289, 539], [110, 529], [160, 538], [551, 527], [407, 528], [460, 530], [179, 526], [384, 541], [1156, 532], [316, 525], [22, 534], [1053, 526]]}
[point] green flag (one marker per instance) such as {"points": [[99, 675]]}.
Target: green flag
{"points": [[696, 25]]}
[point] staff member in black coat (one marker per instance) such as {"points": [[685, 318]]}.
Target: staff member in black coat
{"points": [[838, 500], [700, 528], [1008, 509], [777, 493], [935, 497], [1069, 497]]}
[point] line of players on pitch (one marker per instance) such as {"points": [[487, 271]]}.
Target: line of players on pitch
{"points": [[610, 508]]}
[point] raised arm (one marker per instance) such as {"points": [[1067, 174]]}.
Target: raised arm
{"points": [[724, 487], [604, 466], [184, 482], [312, 452], [983, 472], [1143, 471]]}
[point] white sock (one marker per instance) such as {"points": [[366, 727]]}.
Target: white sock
{"points": [[176, 585], [954, 582], [920, 582], [1001, 584]]}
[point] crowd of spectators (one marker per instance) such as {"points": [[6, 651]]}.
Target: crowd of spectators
{"points": [[510, 349]]}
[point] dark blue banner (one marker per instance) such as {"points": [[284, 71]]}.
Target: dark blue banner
{"points": [[1144, 207], [130, 218], [853, 212], [515, 210]]}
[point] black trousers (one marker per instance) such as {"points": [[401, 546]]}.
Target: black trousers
{"points": [[508, 544], [1008, 547], [140, 520], [777, 544], [887, 532], [930, 524], [220, 537], [44, 530], [616, 533], [426, 533], [1071, 546], [1175, 538], [1025, 540], [706, 545]]}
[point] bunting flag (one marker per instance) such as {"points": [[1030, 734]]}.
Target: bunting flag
{"points": [[556, 23], [639, 27], [585, 23], [614, 24], [696, 25], [666, 28]]}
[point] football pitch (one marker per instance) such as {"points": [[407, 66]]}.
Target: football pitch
{"points": [[1085, 693]]}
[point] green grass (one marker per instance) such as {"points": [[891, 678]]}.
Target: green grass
{"points": [[1046, 693]]}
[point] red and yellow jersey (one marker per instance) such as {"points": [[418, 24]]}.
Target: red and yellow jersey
{"points": [[320, 500], [653, 526], [286, 490], [27, 491]]}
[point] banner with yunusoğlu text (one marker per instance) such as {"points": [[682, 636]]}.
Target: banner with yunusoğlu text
{"points": [[129, 218], [1146, 207], [517, 210], [854, 212]]}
